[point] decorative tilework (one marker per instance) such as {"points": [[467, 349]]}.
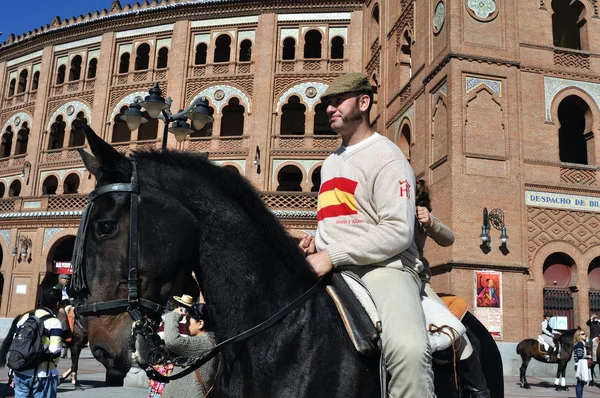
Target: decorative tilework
{"points": [[34, 204], [62, 61], [78, 43], [7, 180], [553, 85], [149, 41], [163, 43], [93, 54], [125, 48], [62, 173], [443, 88], [494, 85], [246, 34], [239, 162], [144, 31], [439, 16], [24, 58], [5, 233], [43, 214], [36, 67], [306, 28], [342, 32], [482, 8], [78, 106], [126, 101], [285, 33], [229, 92], [300, 90], [410, 115], [49, 234], [307, 164], [225, 21], [12, 75], [203, 38], [22, 116], [294, 214], [326, 16]]}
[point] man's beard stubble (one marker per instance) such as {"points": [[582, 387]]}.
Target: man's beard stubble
{"points": [[355, 115]]}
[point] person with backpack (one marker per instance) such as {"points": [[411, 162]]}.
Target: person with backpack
{"points": [[35, 349]]}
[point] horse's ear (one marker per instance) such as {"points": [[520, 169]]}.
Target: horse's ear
{"points": [[90, 162], [105, 155]]}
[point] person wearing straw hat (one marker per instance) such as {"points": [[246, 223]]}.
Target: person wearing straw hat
{"points": [[365, 223], [186, 300]]}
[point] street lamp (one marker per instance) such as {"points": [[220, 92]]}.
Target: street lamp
{"points": [[494, 218], [159, 108], [26, 166]]}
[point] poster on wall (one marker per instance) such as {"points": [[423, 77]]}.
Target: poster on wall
{"points": [[62, 267], [488, 301]]}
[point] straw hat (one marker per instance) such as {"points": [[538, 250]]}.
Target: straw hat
{"points": [[186, 300]]}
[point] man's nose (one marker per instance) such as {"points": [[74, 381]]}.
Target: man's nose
{"points": [[330, 109]]}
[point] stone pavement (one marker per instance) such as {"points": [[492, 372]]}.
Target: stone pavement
{"points": [[543, 387]]}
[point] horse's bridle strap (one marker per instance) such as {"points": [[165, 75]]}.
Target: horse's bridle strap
{"points": [[120, 187], [94, 308], [154, 375]]}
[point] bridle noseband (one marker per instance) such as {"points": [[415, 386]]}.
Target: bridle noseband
{"points": [[134, 304]]}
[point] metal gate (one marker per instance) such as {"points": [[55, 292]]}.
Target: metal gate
{"points": [[594, 302], [559, 302]]}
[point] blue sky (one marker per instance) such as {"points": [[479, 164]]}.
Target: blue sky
{"points": [[20, 16]]}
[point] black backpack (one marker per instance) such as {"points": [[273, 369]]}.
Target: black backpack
{"points": [[27, 349]]}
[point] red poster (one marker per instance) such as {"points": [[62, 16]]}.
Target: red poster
{"points": [[62, 268]]}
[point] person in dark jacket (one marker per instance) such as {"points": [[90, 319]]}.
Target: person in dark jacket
{"points": [[580, 356], [594, 325]]}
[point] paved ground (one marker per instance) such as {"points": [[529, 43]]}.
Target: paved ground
{"points": [[91, 378]]}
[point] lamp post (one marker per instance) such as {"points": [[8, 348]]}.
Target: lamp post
{"points": [[158, 108], [25, 243], [494, 218], [26, 166]]}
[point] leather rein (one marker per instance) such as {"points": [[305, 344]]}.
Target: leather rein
{"points": [[136, 306]]}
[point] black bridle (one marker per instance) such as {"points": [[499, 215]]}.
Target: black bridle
{"points": [[138, 307]]}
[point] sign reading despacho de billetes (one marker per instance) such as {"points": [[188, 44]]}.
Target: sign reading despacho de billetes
{"points": [[562, 201]]}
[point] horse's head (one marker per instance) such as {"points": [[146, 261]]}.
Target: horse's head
{"points": [[109, 241]]}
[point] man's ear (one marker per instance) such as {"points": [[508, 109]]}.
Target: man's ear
{"points": [[364, 102]]}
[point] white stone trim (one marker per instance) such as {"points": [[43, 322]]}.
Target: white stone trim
{"points": [[224, 21], [246, 34], [553, 85], [322, 29], [62, 173], [126, 101], [202, 38], [78, 43], [342, 32], [78, 105], [11, 122], [326, 16], [143, 31], [285, 33], [44, 214], [300, 90], [229, 92], [24, 58]]}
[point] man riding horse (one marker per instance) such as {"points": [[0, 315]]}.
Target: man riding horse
{"points": [[548, 335]]}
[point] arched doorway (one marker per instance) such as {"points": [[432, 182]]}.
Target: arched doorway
{"points": [[557, 295], [594, 280], [59, 260]]}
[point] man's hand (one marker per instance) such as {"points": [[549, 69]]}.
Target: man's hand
{"points": [[307, 244], [320, 262], [423, 216]]}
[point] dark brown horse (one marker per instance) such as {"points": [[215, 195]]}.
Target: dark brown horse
{"points": [[530, 348]]}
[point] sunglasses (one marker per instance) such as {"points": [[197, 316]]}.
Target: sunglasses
{"points": [[582, 334]]}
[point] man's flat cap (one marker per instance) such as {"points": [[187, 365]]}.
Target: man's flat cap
{"points": [[348, 83]]}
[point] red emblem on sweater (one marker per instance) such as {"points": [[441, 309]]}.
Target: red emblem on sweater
{"points": [[404, 189]]}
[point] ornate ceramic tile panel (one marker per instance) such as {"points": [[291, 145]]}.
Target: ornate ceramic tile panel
{"points": [[410, 115], [17, 120], [24, 58], [126, 101], [163, 43], [125, 48], [78, 43], [307, 164], [228, 91], [93, 54], [49, 234], [69, 113], [203, 38], [5, 233], [62, 61], [225, 21], [343, 32], [289, 33], [302, 90], [474, 82], [246, 34], [62, 173], [553, 85]]}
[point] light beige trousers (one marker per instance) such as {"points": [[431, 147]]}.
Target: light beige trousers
{"points": [[397, 296]]}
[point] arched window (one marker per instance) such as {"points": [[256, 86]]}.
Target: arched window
{"points": [[11, 87], [77, 135], [316, 180], [246, 51], [568, 24], [289, 49], [321, 126], [22, 81], [121, 132], [60, 75], [232, 169], [232, 122], [200, 58], [576, 144], [15, 189], [163, 58], [57, 133], [148, 130], [289, 179], [2, 189], [50, 185], [92, 68], [71, 184], [6, 145], [557, 277], [337, 48], [312, 44], [142, 57], [404, 140], [223, 48], [205, 131], [22, 140], [36, 81], [292, 117], [124, 63], [75, 70]]}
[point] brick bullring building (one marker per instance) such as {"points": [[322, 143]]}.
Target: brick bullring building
{"points": [[495, 102]]}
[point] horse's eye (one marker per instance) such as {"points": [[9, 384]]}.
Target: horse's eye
{"points": [[107, 228]]}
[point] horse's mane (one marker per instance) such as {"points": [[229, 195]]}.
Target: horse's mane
{"points": [[239, 190]]}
